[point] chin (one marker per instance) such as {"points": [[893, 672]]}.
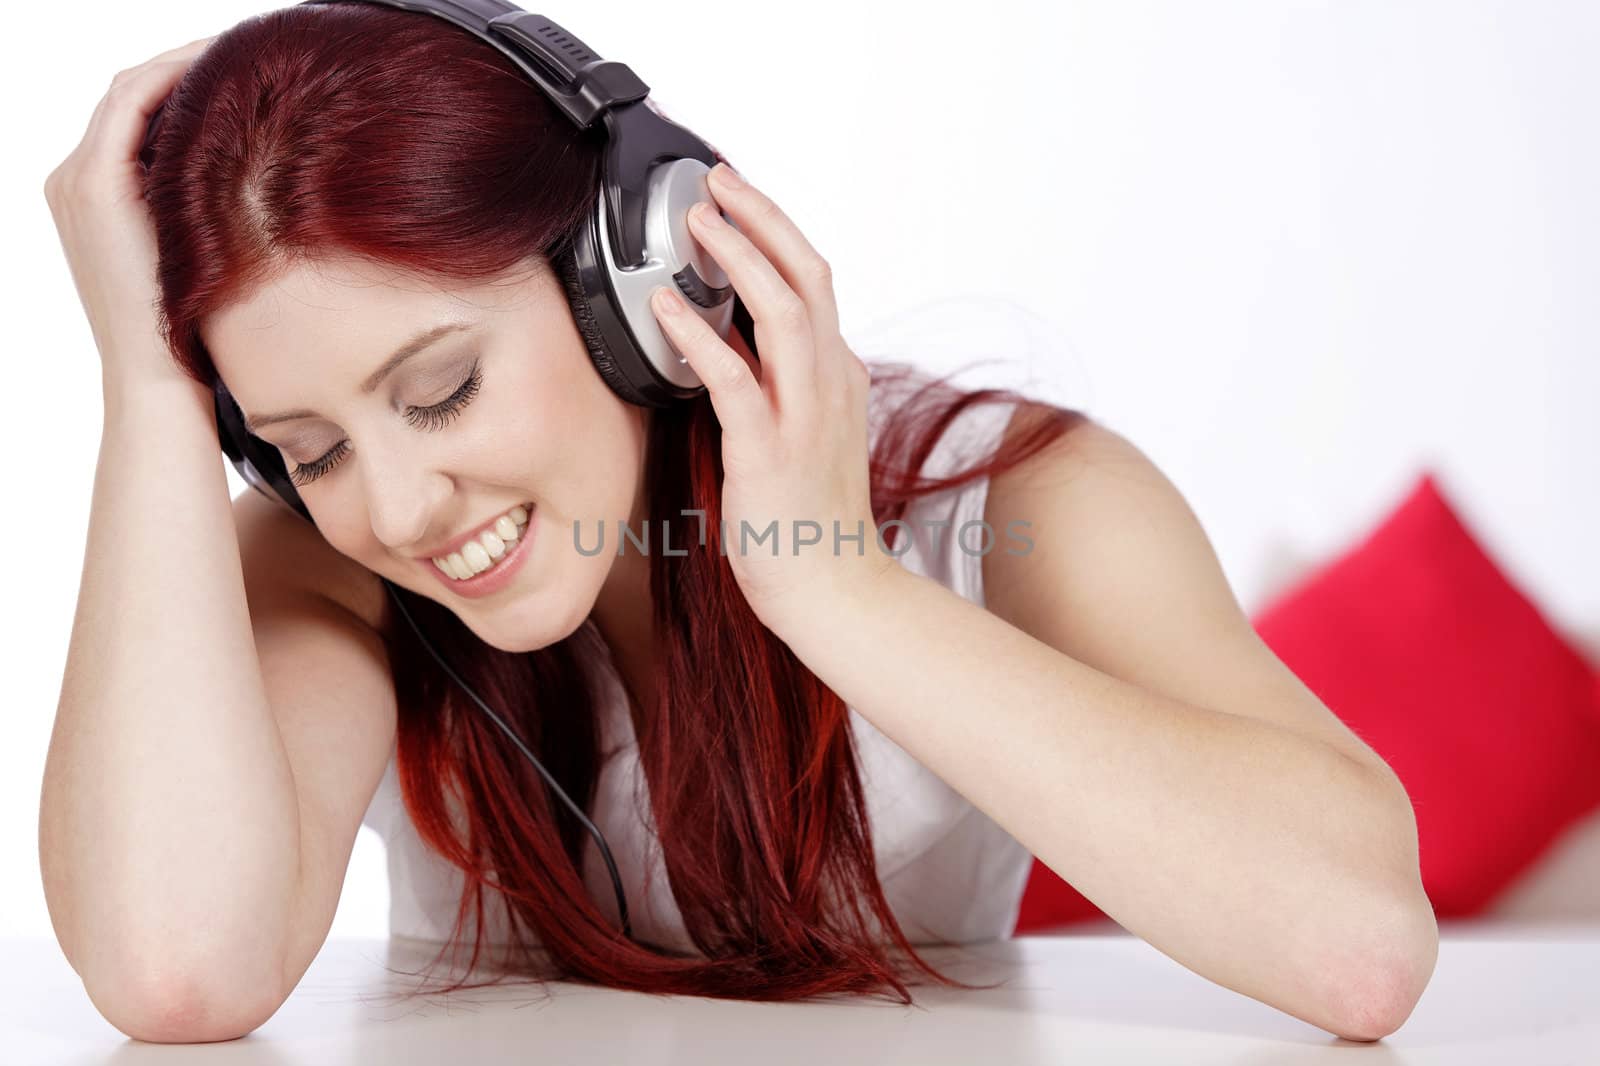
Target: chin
{"points": [[525, 629]]}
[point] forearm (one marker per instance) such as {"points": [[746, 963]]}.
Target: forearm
{"points": [[168, 827], [1262, 859]]}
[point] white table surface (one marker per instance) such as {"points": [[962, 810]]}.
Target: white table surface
{"points": [[1520, 997]]}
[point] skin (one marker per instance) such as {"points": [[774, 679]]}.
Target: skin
{"points": [[543, 427]]}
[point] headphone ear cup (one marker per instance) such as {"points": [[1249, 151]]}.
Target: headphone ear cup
{"points": [[566, 266]]}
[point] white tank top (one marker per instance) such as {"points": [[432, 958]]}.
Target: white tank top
{"points": [[948, 871]]}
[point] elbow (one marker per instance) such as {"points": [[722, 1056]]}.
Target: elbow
{"points": [[185, 1010], [1379, 996]]}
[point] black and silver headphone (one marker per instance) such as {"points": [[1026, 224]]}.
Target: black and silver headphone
{"points": [[636, 239]]}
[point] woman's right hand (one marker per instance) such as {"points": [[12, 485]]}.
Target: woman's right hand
{"points": [[96, 197]]}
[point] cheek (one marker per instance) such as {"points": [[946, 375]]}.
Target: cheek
{"points": [[598, 463], [352, 540], [572, 440], [573, 453]]}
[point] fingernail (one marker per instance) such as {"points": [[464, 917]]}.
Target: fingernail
{"points": [[727, 177], [706, 214], [666, 301]]}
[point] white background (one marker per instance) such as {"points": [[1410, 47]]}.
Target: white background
{"points": [[1296, 251]]}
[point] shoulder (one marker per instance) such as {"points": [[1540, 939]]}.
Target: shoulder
{"points": [[1085, 464], [1122, 578], [280, 551], [1115, 545]]}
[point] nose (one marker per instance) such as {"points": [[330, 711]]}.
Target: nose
{"points": [[402, 494]]}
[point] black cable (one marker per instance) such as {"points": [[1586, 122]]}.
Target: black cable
{"points": [[599, 838]]}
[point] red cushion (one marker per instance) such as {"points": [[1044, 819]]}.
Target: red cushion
{"points": [[1049, 902], [1427, 651]]}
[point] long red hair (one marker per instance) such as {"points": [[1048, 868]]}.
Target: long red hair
{"points": [[363, 130]]}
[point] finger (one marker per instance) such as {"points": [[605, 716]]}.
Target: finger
{"points": [[782, 318], [193, 48], [772, 231], [741, 406], [183, 53], [119, 123]]}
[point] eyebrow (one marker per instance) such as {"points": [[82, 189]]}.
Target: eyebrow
{"points": [[411, 347]]}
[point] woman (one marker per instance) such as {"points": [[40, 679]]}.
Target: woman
{"points": [[845, 752]]}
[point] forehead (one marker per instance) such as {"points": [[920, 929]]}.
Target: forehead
{"points": [[341, 314]]}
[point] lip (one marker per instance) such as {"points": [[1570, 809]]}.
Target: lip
{"points": [[498, 576], [461, 541]]}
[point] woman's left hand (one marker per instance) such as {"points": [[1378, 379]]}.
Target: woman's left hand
{"points": [[794, 422]]}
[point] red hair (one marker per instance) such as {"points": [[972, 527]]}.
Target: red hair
{"points": [[361, 130]]}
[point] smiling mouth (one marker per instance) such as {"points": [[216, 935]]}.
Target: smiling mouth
{"points": [[486, 551]]}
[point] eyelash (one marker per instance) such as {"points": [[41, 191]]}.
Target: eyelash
{"points": [[436, 416]]}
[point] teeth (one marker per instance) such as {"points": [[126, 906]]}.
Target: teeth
{"points": [[483, 551], [475, 556]]}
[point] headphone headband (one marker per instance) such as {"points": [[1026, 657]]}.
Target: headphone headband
{"points": [[585, 88], [575, 79]]}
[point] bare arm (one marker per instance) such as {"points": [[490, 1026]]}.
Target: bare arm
{"points": [[226, 714], [226, 709], [168, 834], [1131, 731]]}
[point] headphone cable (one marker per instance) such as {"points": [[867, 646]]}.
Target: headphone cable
{"points": [[599, 838]]}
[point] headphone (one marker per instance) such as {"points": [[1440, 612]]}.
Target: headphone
{"points": [[635, 239]]}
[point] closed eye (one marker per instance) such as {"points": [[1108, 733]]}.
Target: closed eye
{"points": [[434, 416]]}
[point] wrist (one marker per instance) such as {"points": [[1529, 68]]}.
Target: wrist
{"points": [[143, 398], [847, 585], [120, 383]]}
